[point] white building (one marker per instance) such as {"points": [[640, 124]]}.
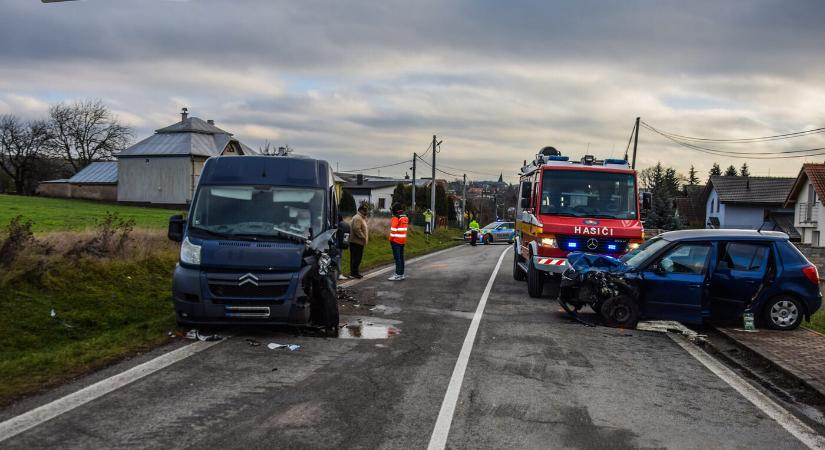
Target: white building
{"points": [[805, 197], [744, 202]]}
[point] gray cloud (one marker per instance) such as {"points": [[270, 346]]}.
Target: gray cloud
{"points": [[364, 83]]}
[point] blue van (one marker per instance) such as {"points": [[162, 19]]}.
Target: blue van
{"points": [[259, 244], [693, 276]]}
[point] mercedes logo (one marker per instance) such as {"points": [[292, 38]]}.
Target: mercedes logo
{"points": [[248, 278], [592, 244]]}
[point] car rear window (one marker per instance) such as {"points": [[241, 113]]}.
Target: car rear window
{"points": [[744, 256], [790, 254]]}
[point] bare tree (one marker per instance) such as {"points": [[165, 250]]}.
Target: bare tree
{"points": [[22, 145], [86, 131]]}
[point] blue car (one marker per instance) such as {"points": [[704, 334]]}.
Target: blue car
{"points": [[693, 276], [495, 232]]}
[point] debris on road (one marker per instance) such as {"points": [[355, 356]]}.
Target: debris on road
{"points": [[290, 347], [386, 309], [358, 329], [194, 335], [666, 326], [252, 342]]}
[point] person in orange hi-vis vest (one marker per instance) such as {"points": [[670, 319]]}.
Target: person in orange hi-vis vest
{"points": [[398, 238]]}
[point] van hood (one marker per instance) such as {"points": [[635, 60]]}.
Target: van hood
{"points": [[249, 255]]}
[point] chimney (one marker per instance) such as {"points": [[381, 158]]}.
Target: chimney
{"points": [[184, 114], [359, 179], [210, 122]]}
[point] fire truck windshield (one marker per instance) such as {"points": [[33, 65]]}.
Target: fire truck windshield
{"points": [[589, 193]]}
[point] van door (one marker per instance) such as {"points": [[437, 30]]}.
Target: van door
{"points": [[737, 276], [674, 284]]}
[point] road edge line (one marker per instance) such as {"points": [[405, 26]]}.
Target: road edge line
{"points": [[32, 418], [783, 417], [441, 430]]}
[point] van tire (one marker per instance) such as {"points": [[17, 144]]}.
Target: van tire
{"points": [[518, 274], [535, 280], [773, 310], [620, 312]]}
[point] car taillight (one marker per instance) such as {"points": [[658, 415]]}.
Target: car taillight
{"points": [[812, 274]]}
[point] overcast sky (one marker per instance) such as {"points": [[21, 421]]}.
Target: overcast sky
{"points": [[364, 83]]}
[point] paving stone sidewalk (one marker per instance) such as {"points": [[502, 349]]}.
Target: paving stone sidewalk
{"points": [[800, 352]]}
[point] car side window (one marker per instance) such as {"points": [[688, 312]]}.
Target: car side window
{"points": [[688, 258], [744, 256]]}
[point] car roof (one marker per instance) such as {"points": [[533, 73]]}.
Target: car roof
{"points": [[722, 234]]}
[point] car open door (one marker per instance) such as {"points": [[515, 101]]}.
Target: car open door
{"points": [[674, 285], [737, 276]]}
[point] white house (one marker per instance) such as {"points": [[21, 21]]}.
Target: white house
{"points": [[376, 192], [744, 202], [805, 197]]}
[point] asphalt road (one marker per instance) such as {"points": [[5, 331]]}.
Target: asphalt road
{"points": [[533, 380]]}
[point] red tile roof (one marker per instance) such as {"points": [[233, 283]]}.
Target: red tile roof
{"points": [[810, 171]]}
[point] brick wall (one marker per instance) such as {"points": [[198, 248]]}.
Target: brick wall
{"points": [[814, 254]]}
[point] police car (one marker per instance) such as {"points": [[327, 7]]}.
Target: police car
{"points": [[495, 232]]}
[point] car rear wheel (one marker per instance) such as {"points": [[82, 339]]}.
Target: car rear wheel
{"points": [[518, 274], [535, 280], [782, 313], [487, 240]]}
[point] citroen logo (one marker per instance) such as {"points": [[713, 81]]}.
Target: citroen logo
{"points": [[592, 244], [248, 278]]}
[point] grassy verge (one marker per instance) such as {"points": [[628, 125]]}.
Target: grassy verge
{"points": [[817, 322], [378, 251], [55, 214]]}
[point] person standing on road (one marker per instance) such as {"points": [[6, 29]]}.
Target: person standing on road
{"points": [[398, 238], [428, 221], [358, 238], [473, 232]]}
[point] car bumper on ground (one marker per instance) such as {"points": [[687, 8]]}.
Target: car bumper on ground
{"points": [[197, 302]]}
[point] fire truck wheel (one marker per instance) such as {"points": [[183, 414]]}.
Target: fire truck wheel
{"points": [[620, 312], [518, 274], [535, 280]]}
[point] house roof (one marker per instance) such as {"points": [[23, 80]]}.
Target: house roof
{"points": [[809, 171], [371, 184], [191, 136], [101, 172], [768, 191]]}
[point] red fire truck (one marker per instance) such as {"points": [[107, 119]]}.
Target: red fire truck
{"points": [[589, 205]]}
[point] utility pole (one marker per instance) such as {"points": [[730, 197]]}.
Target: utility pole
{"points": [[432, 190], [635, 143], [415, 156], [463, 200]]}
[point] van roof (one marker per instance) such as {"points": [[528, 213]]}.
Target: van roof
{"points": [[717, 234], [266, 170]]}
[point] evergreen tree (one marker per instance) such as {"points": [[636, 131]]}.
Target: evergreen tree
{"points": [[347, 203], [402, 194], [692, 178], [664, 185], [744, 170], [731, 171], [715, 170]]}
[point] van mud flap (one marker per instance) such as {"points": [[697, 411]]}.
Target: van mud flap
{"points": [[247, 312]]}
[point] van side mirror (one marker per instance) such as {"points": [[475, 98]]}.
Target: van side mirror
{"points": [[525, 203], [647, 201], [176, 224]]}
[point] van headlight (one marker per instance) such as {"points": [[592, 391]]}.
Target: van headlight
{"points": [[190, 253]]}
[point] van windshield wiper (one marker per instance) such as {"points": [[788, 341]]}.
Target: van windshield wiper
{"points": [[222, 235]]}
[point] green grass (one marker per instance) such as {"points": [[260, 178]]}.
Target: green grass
{"points": [[817, 322], [105, 310], [55, 214], [378, 251]]}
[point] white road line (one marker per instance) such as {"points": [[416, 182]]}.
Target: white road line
{"points": [[788, 421], [37, 416], [378, 272], [438, 440]]}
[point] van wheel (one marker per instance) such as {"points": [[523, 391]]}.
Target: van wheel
{"points": [[620, 312], [518, 274], [535, 280], [782, 313]]}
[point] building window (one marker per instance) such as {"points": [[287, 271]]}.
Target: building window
{"points": [[717, 205], [382, 203], [712, 205]]}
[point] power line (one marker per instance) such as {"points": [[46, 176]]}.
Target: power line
{"points": [[486, 174], [746, 140], [744, 155], [439, 170], [429, 147], [379, 167]]}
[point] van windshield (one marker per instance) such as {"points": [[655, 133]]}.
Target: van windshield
{"points": [[589, 193], [267, 211]]}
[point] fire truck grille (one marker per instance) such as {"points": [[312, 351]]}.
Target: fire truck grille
{"points": [[592, 244]]}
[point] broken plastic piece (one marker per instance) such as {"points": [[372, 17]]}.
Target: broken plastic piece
{"points": [[665, 326], [290, 347], [196, 336]]}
